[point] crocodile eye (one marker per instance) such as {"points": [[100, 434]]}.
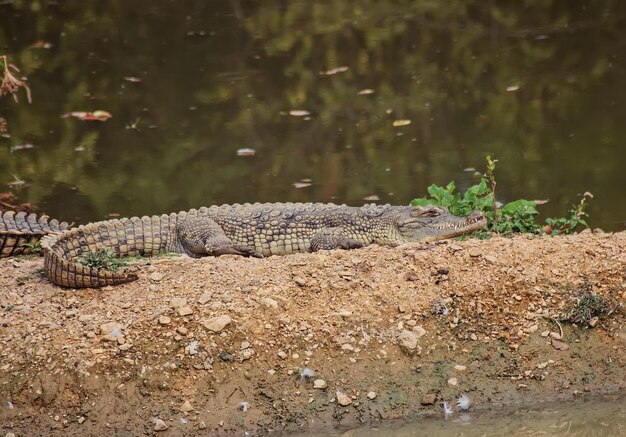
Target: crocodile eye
{"points": [[430, 212]]}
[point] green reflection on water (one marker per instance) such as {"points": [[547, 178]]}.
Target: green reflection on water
{"points": [[218, 76]]}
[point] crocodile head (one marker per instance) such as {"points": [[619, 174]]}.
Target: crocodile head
{"points": [[430, 223]]}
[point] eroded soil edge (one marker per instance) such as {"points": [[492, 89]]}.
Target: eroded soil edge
{"points": [[394, 331]]}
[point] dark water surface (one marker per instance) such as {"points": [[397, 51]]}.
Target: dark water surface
{"points": [[539, 84]]}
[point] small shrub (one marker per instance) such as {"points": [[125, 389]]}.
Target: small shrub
{"points": [[102, 259], [518, 216], [587, 306]]}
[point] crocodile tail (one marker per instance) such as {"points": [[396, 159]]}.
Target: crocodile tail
{"points": [[20, 232], [63, 270]]}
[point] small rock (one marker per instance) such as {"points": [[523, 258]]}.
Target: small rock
{"points": [[246, 354], [159, 425], [177, 302], [111, 331], [244, 345], [559, 345], [182, 330], [202, 425], [419, 331], [460, 368], [164, 320], [226, 357], [474, 252], [429, 399], [490, 259], [81, 420], [184, 311], [347, 347], [268, 302], [206, 297], [453, 382], [156, 277], [343, 399], [371, 395], [473, 337], [593, 322], [217, 324], [9, 434], [319, 384], [186, 407], [282, 355], [408, 342]]}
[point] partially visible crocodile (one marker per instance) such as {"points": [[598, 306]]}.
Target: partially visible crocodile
{"points": [[247, 230]]}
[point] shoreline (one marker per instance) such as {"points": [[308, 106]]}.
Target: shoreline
{"points": [[388, 333]]}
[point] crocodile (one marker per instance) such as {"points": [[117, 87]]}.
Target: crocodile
{"points": [[252, 230]]}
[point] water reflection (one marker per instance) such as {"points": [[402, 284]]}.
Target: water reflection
{"points": [[539, 84], [584, 419]]}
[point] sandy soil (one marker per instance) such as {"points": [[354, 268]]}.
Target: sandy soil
{"points": [[217, 346]]}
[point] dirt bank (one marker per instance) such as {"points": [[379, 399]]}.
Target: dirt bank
{"points": [[382, 333]]}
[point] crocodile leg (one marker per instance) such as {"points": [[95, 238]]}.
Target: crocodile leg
{"points": [[333, 238], [201, 236]]}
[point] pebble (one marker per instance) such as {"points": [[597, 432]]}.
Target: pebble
{"points": [[159, 425], [320, 384], [185, 311], [453, 382], [419, 331], [247, 354], [81, 420], [9, 434], [177, 302], [371, 395], [429, 399], [182, 330], [217, 324], [202, 425], [164, 320], [282, 355], [156, 277], [245, 345], [408, 342], [186, 407], [460, 368], [111, 331], [474, 252], [343, 399], [206, 297], [490, 259], [269, 302]]}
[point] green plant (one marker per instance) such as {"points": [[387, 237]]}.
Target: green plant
{"points": [[34, 247], [577, 217], [102, 259], [518, 216]]}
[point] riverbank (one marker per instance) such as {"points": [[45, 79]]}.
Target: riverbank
{"points": [[222, 345]]}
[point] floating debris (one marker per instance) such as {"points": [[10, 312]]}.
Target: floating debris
{"points": [[98, 115], [398, 123], [365, 92], [299, 113], [246, 152], [133, 79], [333, 71], [512, 88], [302, 183], [21, 147], [372, 198]]}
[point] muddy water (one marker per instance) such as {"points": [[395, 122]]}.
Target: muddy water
{"points": [[314, 90], [601, 417]]}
